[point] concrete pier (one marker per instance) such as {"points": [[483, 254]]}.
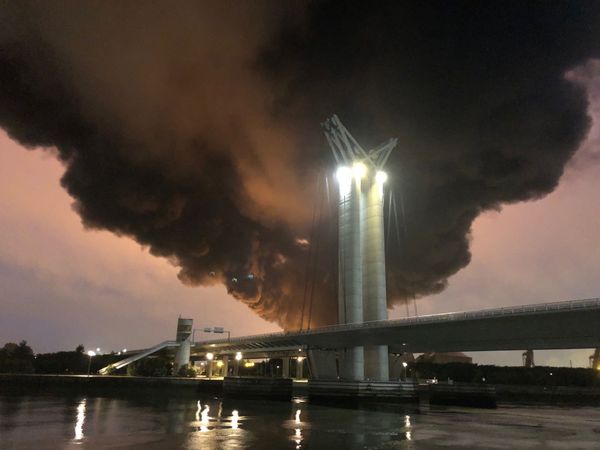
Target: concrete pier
{"points": [[387, 391], [258, 387]]}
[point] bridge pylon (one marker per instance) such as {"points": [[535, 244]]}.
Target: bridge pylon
{"points": [[361, 247]]}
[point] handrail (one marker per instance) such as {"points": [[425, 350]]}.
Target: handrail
{"points": [[142, 354]]}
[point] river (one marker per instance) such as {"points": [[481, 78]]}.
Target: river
{"points": [[161, 422]]}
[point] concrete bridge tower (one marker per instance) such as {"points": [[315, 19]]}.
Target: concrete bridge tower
{"points": [[362, 288]]}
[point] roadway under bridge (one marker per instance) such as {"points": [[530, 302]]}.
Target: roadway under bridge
{"points": [[562, 325]]}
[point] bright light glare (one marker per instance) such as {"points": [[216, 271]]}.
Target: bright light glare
{"points": [[91, 353], [210, 356], [381, 177], [405, 364], [359, 170], [238, 356], [344, 174], [219, 363], [300, 358], [124, 350], [344, 177]]}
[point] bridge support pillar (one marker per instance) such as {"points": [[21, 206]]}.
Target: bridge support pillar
{"points": [[352, 365], [374, 288], [299, 368], [285, 367], [350, 292], [184, 337], [182, 357], [225, 366], [376, 363]]}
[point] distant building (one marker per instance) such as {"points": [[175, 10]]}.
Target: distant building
{"points": [[443, 358]]}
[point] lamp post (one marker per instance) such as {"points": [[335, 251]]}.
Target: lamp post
{"points": [[238, 358], [209, 357], [404, 364], [90, 354]]}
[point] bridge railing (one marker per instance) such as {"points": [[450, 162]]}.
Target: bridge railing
{"points": [[446, 317], [441, 317]]}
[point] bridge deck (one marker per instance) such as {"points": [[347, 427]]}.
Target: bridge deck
{"points": [[560, 325]]}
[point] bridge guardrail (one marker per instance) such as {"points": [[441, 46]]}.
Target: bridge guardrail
{"points": [[430, 318]]}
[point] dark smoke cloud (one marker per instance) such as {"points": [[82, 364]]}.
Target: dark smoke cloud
{"points": [[193, 127]]}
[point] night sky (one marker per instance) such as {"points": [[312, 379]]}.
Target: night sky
{"points": [[153, 156]]}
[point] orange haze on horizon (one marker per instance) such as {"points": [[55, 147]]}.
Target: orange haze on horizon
{"points": [[64, 285]]}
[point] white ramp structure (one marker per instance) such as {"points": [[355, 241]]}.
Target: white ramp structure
{"points": [[138, 355], [182, 343], [362, 288]]}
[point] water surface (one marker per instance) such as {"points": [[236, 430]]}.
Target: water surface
{"points": [[157, 422]]}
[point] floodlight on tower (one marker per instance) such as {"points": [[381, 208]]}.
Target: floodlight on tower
{"points": [[381, 177], [344, 177], [359, 170]]}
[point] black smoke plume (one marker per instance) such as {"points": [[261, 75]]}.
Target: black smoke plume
{"points": [[192, 127]]}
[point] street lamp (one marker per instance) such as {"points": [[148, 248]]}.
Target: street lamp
{"points": [[238, 358], [209, 357], [90, 354]]}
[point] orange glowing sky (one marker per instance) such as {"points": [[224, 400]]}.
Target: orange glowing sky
{"points": [[62, 285]]}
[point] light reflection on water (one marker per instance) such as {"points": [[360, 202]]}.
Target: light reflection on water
{"points": [[298, 431], [207, 423], [80, 421], [234, 419], [407, 426]]}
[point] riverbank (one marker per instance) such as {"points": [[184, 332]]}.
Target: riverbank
{"points": [[107, 384], [115, 385]]}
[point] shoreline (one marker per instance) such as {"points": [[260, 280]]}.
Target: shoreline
{"points": [[118, 385]]}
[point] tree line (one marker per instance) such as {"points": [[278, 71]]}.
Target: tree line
{"points": [[20, 358]]}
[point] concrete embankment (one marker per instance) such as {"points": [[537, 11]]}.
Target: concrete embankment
{"points": [[463, 394], [271, 388], [123, 385], [555, 395], [255, 387], [107, 384]]}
